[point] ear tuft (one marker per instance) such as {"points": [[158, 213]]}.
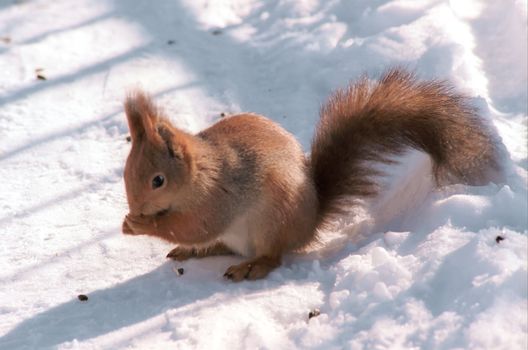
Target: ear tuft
{"points": [[142, 114]]}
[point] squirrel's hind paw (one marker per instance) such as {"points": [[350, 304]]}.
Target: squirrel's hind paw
{"points": [[253, 269]]}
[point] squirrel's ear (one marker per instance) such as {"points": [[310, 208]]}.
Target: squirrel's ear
{"points": [[175, 150], [142, 115]]}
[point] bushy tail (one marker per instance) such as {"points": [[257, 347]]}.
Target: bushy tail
{"points": [[372, 122]]}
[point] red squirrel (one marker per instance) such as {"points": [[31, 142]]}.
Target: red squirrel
{"points": [[245, 186]]}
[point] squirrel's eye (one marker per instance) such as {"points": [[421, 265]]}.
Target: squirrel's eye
{"points": [[157, 181]]}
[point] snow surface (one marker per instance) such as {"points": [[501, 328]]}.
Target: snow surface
{"points": [[425, 271]]}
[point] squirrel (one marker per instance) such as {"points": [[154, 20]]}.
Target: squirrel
{"points": [[245, 186]]}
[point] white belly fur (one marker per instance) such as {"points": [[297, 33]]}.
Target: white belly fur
{"points": [[237, 236]]}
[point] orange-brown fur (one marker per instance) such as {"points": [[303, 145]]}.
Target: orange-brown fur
{"points": [[244, 185]]}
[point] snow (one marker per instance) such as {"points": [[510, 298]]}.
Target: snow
{"points": [[426, 270]]}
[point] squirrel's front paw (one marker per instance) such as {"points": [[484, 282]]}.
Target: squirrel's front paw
{"points": [[139, 225], [126, 229], [181, 254]]}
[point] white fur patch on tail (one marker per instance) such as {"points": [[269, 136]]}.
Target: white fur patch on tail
{"points": [[405, 188]]}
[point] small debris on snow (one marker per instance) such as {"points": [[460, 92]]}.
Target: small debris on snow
{"points": [[129, 138], [82, 297], [217, 32], [314, 313], [40, 76], [180, 271], [5, 40], [498, 239], [171, 42], [222, 115]]}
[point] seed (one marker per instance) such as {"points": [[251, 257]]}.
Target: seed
{"points": [[314, 313], [180, 271]]}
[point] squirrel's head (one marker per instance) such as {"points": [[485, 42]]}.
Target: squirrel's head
{"points": [[159, 164]]}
